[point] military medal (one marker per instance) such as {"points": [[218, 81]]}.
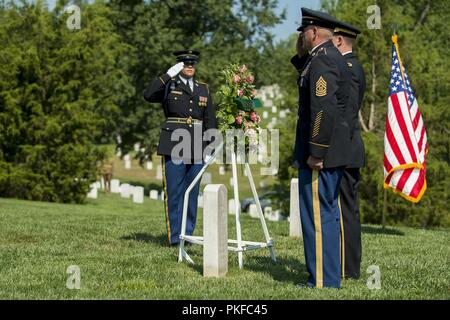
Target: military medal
{"points": [[203, 101]]}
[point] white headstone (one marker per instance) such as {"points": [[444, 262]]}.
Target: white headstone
{"points": [[127, 157], [149, 165], [159, 172], [102, 184], [115, 186], [92, 192], [125, 190], [206, 179], [274, 120], [222, 170], [200, 201], [138, 195], [128, 164], [98, 185], [154, 194], [262, 184], [275, 216], [295, 224], [282, 114], [253, 211], [274, 109], [137, 146], [215, 231], [231, 208], [163, 195], [231, 182], [265, 115], [267, 212]]}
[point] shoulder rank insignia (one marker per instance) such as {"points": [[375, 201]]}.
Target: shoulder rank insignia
{"points": [[321, 87]]}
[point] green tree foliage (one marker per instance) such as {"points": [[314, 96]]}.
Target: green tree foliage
{"points": [[224, 32], [424, 44], [59, 94]]}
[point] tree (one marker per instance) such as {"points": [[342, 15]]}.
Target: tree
{"points": [[59, 90]]}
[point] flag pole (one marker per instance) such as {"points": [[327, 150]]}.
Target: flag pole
{"points": [[383, 217]]}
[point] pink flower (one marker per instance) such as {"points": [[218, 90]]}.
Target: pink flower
{"points": [[239, 120], [250, 79], [243, 69], [240, 92], [236, 78], [253, 116]]}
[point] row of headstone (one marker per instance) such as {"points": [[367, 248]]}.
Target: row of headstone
{"points": [[149, 164], [282, 114], [136, 193], [269, 214]]}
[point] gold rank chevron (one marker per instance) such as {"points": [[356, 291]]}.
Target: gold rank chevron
{"points": [[321, 87]]}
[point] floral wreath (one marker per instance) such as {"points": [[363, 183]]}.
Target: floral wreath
{"points": [[238, 103]]}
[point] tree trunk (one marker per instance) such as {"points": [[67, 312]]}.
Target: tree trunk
{"points": [[423, 16], [362, 123], [372, 104]]}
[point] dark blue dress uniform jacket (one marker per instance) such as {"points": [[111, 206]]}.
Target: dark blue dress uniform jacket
{"points": [[355, 104], [323, 129], [179, 101]]}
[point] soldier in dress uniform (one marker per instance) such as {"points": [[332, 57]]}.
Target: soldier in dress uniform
{"points": [[189, 113], [322, 148], [344, 38]]}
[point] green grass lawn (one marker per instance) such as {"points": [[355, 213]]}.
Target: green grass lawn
{"points": [[122, 254]]}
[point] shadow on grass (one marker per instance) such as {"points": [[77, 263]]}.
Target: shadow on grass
{"points": [[380, 230], [148, 238], [284, 270]]}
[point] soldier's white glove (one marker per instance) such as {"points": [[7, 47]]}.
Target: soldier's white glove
{"points": [[207, 158], [176, 69]]}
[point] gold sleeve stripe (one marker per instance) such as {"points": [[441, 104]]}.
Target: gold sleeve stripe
{"points": [[317, 123], [162, 80], [320, 145]]}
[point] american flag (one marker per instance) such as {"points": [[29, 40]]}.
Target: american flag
{"points": [[405, 142]]}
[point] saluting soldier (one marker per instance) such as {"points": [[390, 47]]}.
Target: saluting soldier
{"points": [[189, 113], [344, 38], [322, 148]]}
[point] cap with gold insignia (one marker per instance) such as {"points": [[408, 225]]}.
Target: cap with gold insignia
{"points": [[316, 18], [346, 29], [187, 56]]}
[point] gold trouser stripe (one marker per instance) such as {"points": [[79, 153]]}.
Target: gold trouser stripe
{"points": [[342, 243], [166, 202], [318, 228]]}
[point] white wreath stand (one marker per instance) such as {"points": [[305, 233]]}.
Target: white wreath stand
{"points": [[238, 245]]}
